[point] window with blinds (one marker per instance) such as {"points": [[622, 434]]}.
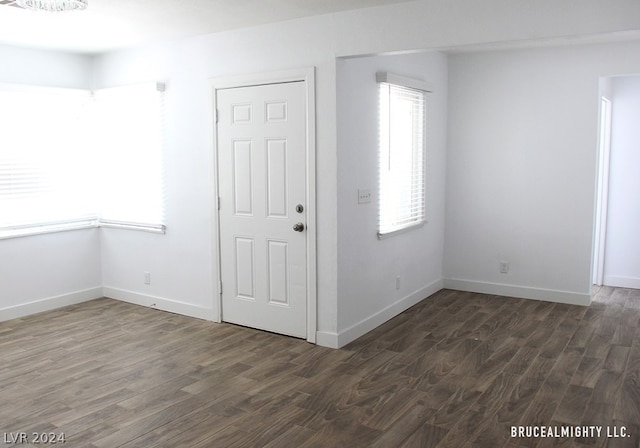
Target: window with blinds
{"points": [[129, 140], [46, 165], [402, 116], [58, 152]]}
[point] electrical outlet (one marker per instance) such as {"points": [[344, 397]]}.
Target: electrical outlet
{"points": [[147, 278], [364, 196], [398, 282], [504, 267]]}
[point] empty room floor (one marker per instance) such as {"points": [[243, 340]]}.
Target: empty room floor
{"points": [[458, 369]]}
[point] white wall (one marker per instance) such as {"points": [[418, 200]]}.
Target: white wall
{"points": [[622, 253], [521, 168], [367, 266], [42, 272], [44, 68]]}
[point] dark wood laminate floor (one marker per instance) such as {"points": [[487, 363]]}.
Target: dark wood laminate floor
{"points": [[458, 369]]}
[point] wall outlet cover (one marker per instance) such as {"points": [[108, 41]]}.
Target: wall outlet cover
{"points": [[364, 196]]}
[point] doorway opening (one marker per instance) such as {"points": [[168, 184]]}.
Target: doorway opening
{"points": [[604, 154], [616, 250]]}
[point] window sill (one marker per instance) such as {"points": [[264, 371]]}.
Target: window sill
{"points": [[23, 231], [404, 229], [152, 228]]}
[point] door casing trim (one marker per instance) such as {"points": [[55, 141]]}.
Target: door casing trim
{"points": [[306, 75]]}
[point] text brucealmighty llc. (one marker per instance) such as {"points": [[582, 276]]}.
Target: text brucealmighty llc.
{"points": [[535, 432]]}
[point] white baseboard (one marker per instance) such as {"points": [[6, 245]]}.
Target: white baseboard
{"points": [[548, 295], [622, 282], [327, 339], [50, 303], [337, 340], [159, 303]]}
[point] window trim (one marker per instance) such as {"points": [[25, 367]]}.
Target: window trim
{"points": [[403, 229], [49, 227], [403, 81], [80, 224], [152, 228]]}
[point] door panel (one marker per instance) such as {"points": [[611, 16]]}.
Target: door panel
{"points": [[262, 178], [277, 178], [244, 268], [242, 178], [278, 272]]}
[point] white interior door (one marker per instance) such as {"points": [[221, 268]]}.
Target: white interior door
{"points": [[262, 186]]}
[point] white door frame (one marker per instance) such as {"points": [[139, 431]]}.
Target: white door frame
{"points": [[307, 75]]}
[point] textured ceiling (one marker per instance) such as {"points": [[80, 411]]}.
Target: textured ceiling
{"points": [[112, 24]]}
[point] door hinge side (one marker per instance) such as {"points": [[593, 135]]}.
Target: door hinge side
{"points": [[220, 287]]}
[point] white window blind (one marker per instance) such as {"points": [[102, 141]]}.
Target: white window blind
{"points": [[130, 138], [70, 161], [46, 164], [401, 156]]}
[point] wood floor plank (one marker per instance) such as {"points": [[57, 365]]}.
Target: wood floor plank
{"points": [[393, 409], [616, 359], [573, 404], [628, 406], [588, 372], [412, 421], [521, 361], [427, 436]]}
